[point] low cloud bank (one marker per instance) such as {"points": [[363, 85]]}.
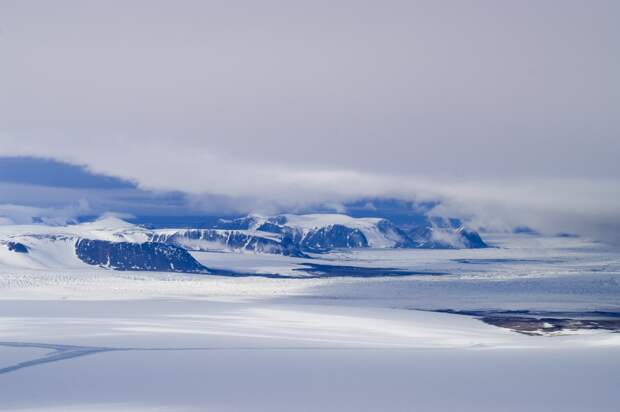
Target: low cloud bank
{"points": [[550, 205], [11, 214]]}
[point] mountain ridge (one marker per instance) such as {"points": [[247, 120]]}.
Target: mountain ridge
{"points": [[116, 244]]}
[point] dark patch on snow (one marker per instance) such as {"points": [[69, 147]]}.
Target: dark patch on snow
{"points": [[148, 256], [525, 230], [542, 323], [545, 326], [17, 247], [567, 235], [317, 271], [503, 261], [321, 270]]}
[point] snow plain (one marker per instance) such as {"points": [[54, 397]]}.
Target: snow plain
{"points": [[84, 338]]}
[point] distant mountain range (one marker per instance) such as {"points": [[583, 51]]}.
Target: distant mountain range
{"points": [[299, 235], [119, 245]]}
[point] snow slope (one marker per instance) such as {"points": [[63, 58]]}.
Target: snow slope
{"points": [[86, 338]]}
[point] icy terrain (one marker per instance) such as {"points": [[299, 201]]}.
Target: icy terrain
{"points": [[113, 243], [80, 337]]}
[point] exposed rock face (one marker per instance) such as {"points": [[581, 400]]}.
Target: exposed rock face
{"points": [[396, 234], [472, 239], [333, 237], [284, 235], [234, 240], [150, 256], [17, 247], [119, 245]]}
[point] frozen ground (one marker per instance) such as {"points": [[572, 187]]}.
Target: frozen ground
{"points": [[93, 339]]}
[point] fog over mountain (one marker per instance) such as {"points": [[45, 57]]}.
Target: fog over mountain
{"points": [[505, 112]]}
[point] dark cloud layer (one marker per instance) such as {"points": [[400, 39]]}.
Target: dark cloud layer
{"points": [[47, 172]]}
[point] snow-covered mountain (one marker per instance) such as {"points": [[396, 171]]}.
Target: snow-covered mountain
{"points": [[109, 242], [118, 245], [298, 235], [322, 232]]}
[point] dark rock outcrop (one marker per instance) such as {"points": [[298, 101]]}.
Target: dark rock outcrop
{"points": [[17, 247], [472, 239], [149, 256], [333, 237], [198, 239]]}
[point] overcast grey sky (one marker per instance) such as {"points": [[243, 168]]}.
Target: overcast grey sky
{"points": [[485, 103]]}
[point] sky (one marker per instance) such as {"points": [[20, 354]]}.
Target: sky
{"points": [[509, 112]]}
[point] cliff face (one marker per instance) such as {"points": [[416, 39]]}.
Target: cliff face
{"points": [[333, 237], [149, 256], [231, 240]]}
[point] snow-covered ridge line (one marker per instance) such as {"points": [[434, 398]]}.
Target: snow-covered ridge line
{"points": [[313, 231], [119, 245], [110, 243]]}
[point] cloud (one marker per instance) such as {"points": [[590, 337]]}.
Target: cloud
{"points": [[551, 205], [19, 214], [46, 172], [506, 112], [584, 206]]}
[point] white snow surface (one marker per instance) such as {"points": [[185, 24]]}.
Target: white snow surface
{"points": [[108, 228], [175, 342], [53, 247]]}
